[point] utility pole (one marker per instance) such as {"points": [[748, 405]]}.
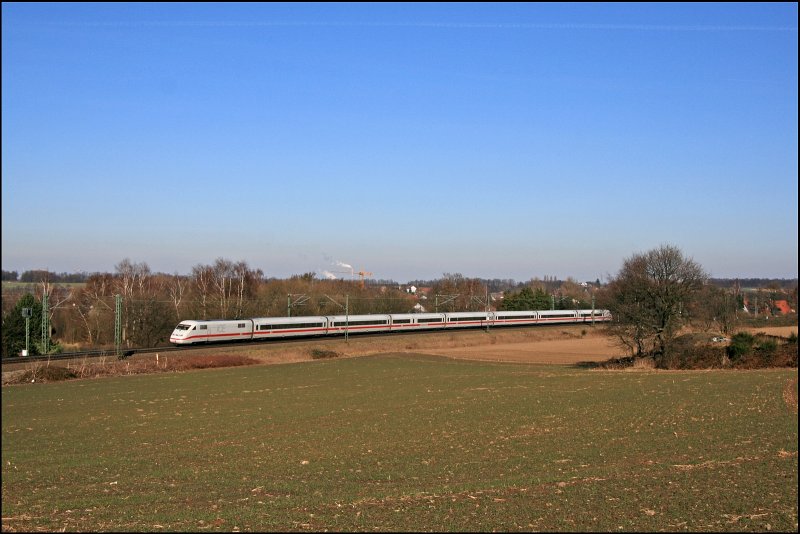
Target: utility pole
{"points": [[489, 316], [26, 312], [485, 302], [299, 301], [118, 325], [447, 298], [45, 324], [346, 314]]}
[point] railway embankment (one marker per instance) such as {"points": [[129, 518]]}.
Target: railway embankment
{"points": [[552, 345]]}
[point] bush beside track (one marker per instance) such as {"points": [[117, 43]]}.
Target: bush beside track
{"points": [[42, 372], [743, 351]]}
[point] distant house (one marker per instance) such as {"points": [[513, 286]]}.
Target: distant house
{"points": [[783, 307], [779, 306]]}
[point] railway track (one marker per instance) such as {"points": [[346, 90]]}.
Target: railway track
{"points": [[103, 353]]}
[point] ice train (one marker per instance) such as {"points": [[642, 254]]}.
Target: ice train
{"points": [[190, 332]]}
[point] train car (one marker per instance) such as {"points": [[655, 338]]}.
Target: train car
{"points": [[557, 316], [467, 319], [356, 324], [193, 332], [409, 322], [588, 316], [515, 318], [276, 327]]}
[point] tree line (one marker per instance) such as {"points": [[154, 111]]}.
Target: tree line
{"points": [[37, 275], [652, 297], [84, 316]]}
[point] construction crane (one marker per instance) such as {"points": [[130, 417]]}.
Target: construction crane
{"points": [[362, 273]]}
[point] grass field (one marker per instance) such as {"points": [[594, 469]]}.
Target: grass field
{"points": [[403, 442]]}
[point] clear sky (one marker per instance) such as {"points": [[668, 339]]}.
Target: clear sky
{"points": [[409, 140]]}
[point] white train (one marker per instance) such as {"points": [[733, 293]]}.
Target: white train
{"points": [[190, 332]]}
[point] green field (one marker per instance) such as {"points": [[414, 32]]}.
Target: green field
{"points": [[403, 442]]}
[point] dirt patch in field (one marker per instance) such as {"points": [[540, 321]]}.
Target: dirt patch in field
{"points": [[782, 331], [566, 345], [557, 351]]}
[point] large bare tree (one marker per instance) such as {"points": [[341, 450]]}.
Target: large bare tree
{"points": [[649, 298]]}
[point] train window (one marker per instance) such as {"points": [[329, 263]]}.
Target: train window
{"points": [[401, 321], [362, 323], [240, 325], [203, 327], [289, 326], [430, 320]]}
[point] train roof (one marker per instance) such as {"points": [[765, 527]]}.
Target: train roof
{"points": [[290, 320], [361, 317]]}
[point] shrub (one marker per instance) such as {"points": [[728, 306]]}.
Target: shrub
{"points": [[46, 374], [318, 354], [741, 345], [768, 346]]}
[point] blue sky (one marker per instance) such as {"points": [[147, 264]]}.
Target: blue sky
{"points": [[409, 140]]}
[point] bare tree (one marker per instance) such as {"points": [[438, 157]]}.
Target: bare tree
{"points": [[94, 305], [177, 286], [227, 285], [649, 298], [201, 279], [222, 273], [133, 282], [247, 281], [715, 309]]}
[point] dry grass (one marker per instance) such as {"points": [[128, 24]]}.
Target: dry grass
{"points": [[556, 345], [49, 372]]}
